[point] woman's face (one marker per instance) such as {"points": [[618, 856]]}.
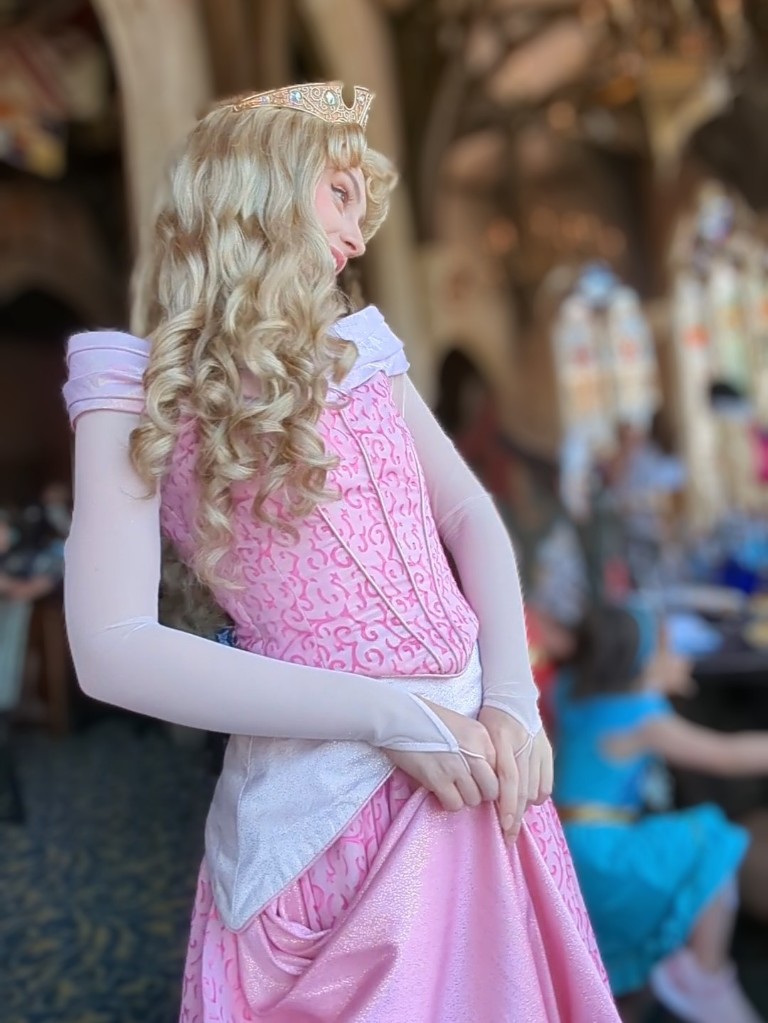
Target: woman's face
{"points": [[340, 204]]}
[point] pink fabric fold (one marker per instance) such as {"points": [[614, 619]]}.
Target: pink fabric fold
{"points": [[388, 926]]}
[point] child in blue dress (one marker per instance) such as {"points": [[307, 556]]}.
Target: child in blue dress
{"points": [[660, 888]]}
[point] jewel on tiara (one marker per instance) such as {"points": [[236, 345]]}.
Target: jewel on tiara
{"points": [[321, 99]]}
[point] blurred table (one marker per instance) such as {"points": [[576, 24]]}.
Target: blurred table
{"points": [[737, 662], [732, 696]]}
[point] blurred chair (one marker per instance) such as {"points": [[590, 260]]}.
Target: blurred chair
{"points": [[35, 670], [14, 632], [48, 664]]}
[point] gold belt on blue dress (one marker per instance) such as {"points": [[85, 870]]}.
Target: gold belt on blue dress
{"points": [[596, 813]]}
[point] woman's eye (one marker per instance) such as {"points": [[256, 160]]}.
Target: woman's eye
{"points": [[341, 193]]}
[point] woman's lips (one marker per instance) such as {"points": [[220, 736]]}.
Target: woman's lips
{"points": [[339, 260]]}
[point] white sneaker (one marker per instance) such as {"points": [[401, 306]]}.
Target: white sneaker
{"points": [[696, 996]]}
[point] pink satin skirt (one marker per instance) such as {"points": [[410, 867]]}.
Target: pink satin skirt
{"points": [[413, 915]]}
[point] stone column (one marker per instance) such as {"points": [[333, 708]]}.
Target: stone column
{"points": [[352, 37], [160, 54], [231, 49]]}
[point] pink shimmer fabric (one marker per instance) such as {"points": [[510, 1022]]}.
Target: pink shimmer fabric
{"points": [[413, 915]]}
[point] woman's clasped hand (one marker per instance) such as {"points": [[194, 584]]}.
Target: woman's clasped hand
{"points": [[499, 760]]}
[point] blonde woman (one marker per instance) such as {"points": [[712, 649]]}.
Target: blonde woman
{"points": [[379, 847]]}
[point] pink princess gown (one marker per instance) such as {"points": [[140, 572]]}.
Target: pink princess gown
{"points": [[409, 913]]}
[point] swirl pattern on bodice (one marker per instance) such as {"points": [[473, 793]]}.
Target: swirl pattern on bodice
{"points": [[367, 587]]}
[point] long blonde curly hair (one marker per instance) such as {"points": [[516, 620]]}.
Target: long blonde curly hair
{"points": [[238, 278]]}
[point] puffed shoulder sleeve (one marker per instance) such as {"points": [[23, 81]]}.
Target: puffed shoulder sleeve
{"points": [[379, 349], [105, 370]]}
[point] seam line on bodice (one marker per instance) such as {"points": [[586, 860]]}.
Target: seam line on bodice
{"points": [[369, 578], [456, 645], [393, 535]]}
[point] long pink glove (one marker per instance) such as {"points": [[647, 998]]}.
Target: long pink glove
{"points": [[125, 657], [473, 532]]}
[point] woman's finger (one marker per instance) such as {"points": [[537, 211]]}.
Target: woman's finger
{"points": [[523, 770], [546, 780], [507, 773], [482, 767], [469, 791], [485, 779], [534, 778], [450, 798]]}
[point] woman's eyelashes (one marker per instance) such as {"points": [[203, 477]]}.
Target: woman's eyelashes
{"points": [[341, 194]]}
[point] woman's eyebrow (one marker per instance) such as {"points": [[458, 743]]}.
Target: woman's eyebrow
{"points": [[355, 186]]}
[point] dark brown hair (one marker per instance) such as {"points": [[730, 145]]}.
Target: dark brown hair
{"points": [[607, 659]]}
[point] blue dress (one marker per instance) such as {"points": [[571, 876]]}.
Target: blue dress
{"points": [[645, 879]]}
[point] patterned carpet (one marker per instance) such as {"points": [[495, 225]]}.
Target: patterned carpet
{"points": [[96, 884]]}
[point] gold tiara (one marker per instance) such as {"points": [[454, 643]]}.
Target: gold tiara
{"points": [[321, 99]]}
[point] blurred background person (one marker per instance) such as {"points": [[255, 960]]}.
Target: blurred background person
{"points": [[661, 888]]}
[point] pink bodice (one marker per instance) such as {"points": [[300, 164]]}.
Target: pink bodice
{"points": [[367, 588]]}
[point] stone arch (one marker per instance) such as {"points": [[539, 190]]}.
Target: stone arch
{"points": [[159, 52], [354, 42]]}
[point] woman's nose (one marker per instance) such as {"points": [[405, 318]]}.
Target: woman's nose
{"points": [[353, 241]]}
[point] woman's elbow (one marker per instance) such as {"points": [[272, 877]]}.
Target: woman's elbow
{"points": [[477, 514], [95, 663], [90, 672]]}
